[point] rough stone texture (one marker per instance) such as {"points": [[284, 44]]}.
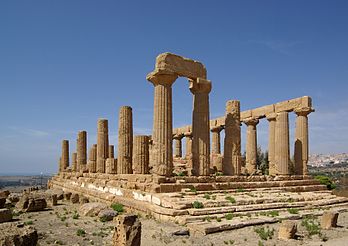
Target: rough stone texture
{"points": [[232, 160], [178, 145], [74, 162], [65, 155], [111, 166], [92, 209], [75, 198], [107, 214], [287, 230], [4, 193], [282, 149], [125, 140], [52, 200], [67, 195], [141, 154], [329, 220], [271, 143], [92, 162], [251, 145], [200, 89], [81, 146], [301, 140], [5, 215], [188, 144], [84, 200], [162, 143], [111, 151], [11, 234], [102, 145], [13, 198], [127, 231], [2, 202], [28, 203], [215, 139]]}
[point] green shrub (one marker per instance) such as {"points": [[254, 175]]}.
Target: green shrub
{"points": [[206, 196], [231, 199], [181, 174], [80, 233], [293, 210], [229, 216], [270, 213], [76, 216], [240, 190], [311, 226], [118, 207], [325, 180], [29, 222], [193, 189], [197, 204], [264, 233]]}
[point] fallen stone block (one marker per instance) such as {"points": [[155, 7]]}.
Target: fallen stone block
{"points": [[4, 193], [74, 198], [329, 220], [287, 230], [67, 195], [5, 215], [84, 200], [2, 202], [92, 209], [31, 204], [127, 231], [107, 214], [13, 234]]}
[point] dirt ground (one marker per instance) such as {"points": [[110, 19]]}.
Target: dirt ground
{"points": [[62, 224]]}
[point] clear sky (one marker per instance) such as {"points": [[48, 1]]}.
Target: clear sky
{"points": [[64, 64]]}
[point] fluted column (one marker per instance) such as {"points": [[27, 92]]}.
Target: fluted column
{"points": [[92, 159], [162, 142], [125, 140], [74, 162], [215, 140], [81, 150], [111, 151], [301, 140], [271, 143], [251, 145], [188, 144], [178, 145], [232, 161], [102, 144], [65, 155], [141, 154], [200, 89], [282, 150]]}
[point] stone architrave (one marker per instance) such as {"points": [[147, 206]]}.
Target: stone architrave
{"points": [[282, 150], [162, 142], [301, 140], [102, 144], [111, 151], [141, 154], [178, 145], [232, 161], [92, 162], [74, 162], [65, 155], [200, 89], [271, 143], [251, 145], [125, 140], [81, 150], [215, 140]]}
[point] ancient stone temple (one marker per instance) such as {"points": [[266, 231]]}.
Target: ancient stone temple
{"points": [[159, 175]]}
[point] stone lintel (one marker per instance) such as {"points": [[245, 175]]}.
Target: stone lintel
{"points": [[200, 86]]}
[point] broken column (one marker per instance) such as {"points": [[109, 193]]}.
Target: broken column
{"points": [[251, 145], [111, 151], [74, 162], [232, 161], [65, 155], [178, 145], [282, 150], [141, 154], [271, 143], [301, 140], [127, 231], [162, 143], [287, 230], [102, 145], [200, 89], [81, 151], [125, 140], [92, 159]]}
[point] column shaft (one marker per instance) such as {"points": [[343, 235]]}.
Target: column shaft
{"points": [[102, 145], [92, 156], [111, 151], [251, 145], [65, 155], [177, 145], [141, 154], [74, 162], [271, 143], [282, 151], [215, 141], [125, 140], [81, 150]]}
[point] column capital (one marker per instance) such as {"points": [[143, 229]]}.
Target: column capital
{"points": [[217, 128], [251, 121], [188, 134], [162, 77], [303, 111], [200, 86], [178, 136], [272, 116]]}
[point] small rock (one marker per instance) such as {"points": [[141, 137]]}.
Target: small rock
{"points": [[92, 209], [5, 215], [13, 235], [67, 195], [4, 194], [74, 198], [84, 200], [13, 198], [181, 233], [107, 214]]}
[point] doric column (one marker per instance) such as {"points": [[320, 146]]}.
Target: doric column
{"points": [[111, 151], [282, 150], [92, 159], [251, 145], [178, 145], [111, 166], [188, 144], [200, 89], [65, 155], [232, 161], [215, 139], [141, 154], [125, 140], [301, 140], [74, 162], [271, 143], [81, 150], [102, 144], [162, 142]]}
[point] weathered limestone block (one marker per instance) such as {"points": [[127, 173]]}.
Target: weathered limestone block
{"points": [[11, 234], [251, 145], [74, 162], [282, 149], [4, 193], [81, 150], [200, 89], [111, 151], [5, 215], [91, 209], [102, 144], [141, 154], [261, 112], [287, 230], [111, 166], [65, 155], [84, 200], [329, 220], [67, 195], [107, 214], [31, 203], [74, 198], [293, 103], [127, 231], [52, 200], [125, 140]]}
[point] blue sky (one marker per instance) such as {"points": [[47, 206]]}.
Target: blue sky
{"points": [[64, 64]]}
